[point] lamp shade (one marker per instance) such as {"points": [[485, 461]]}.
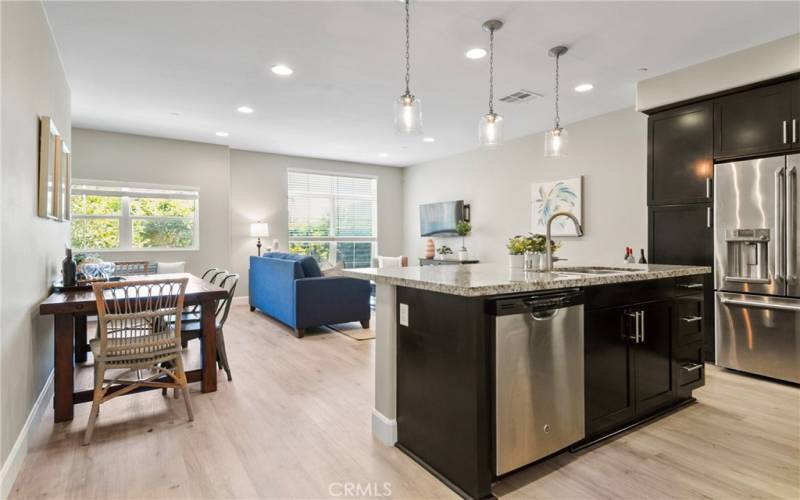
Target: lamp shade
{"points": [[259, 229]]}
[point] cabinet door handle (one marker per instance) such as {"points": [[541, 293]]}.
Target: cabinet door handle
{"points": [[691, 319], [708, 217], [641, 318], [708, 187], [690, 367], [691, 286], [794, 130], [635, 316], [784, 131]]}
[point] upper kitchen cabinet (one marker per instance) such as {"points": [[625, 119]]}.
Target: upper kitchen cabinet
{"points": [[680, 158], [758, 121]]}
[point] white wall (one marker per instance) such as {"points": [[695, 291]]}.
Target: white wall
{"points": [[609, 151], [258, 192], [770, 60], [111, 156], [33, 85]]}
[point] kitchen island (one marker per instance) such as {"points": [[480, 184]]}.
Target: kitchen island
{"points": [[632, 349]]}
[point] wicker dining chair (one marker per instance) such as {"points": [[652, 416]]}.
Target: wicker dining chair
{"points": [[209, 273], [140, 331], [192, 329], [212, 275], [131, 267]]}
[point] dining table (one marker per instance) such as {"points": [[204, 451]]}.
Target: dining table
{"points": [[70, 310]]}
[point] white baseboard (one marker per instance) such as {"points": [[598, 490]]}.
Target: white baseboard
{"points": [[244, 299], [384, 429], [13, 463]]}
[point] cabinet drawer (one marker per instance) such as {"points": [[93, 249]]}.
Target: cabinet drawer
{"points": [[689, 285], [691, 371], [690, 319]]}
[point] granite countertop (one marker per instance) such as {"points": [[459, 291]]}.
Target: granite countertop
{"points": [[474, 280]]}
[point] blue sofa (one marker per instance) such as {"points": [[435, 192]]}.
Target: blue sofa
{"points": [[291, 289]]}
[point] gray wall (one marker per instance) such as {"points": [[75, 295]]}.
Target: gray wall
{"points": [[33, 85], [258, 192], [133, 158], [608, 150]]}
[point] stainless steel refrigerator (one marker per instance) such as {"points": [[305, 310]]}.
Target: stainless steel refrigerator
{"points": [[757, 290]]}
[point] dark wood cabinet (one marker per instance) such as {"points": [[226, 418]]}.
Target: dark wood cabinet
{"points": [[681, 234], [653, 360], [754, 122], [608, 370], [680, 155]]}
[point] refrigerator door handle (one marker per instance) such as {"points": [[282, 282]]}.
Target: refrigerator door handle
{"points": [[791, 225], [780, 222], [761, 305]]}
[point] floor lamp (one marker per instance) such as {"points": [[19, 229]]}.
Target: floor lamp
{"points": [[259, 230]]}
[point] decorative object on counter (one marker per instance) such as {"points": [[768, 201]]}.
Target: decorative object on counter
{"points": [[259, 230], [527, 251], [548, 198], [555, 140], [629, 255], [444, 251], [642, 260], [490, 127], [430, 249], [69, 270], [49, 156], [517, 246], [407, 108], [463, 229]]}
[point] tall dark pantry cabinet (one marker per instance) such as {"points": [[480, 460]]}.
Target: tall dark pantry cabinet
{"points": [[684, 140]]}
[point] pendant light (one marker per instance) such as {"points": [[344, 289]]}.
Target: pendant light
{"points": [[555, 140], [407, 108], [490, 127]]}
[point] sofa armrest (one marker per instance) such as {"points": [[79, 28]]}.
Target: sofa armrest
{"points": [[331, 300]]}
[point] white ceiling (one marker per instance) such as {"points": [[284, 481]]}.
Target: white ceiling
{"points": [[131, 65]]}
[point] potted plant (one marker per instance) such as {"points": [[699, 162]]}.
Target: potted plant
{"points": [[537, 245], [463, 229], [444, 251], [517, 246]]}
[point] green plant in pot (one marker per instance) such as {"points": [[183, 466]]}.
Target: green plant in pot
{"points": [[517, 246], [538, 246], [444, 251], [463, 228]]}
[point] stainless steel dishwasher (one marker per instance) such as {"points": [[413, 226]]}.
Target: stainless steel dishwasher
{"points": [[538, 386]]}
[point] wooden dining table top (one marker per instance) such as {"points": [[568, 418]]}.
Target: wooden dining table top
{"points": [[83, 301]]}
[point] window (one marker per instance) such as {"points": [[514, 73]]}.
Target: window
{"points": [[333, 218], [111, 216]]}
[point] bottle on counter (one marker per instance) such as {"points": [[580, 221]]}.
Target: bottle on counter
{"points": [[627, 253], [630, 259], [69, 270], [642, 260]]}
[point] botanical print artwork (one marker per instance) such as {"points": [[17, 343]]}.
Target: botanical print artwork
{"points": [[548, 198]]}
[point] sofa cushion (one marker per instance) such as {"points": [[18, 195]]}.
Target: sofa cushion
{"points": [[307, 264]]}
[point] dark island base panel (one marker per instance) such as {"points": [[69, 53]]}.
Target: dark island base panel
{"points": [[445, 367]]}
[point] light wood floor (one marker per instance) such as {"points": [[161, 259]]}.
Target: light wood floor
{"points": [[295, 423]]}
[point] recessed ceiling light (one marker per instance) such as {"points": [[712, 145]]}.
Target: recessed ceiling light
{"points": [[384, 155], [244, 110], [175, 113], [222, 133], [283, 70], [476, 53], [584, 87], [428, 139], [643, 70]]}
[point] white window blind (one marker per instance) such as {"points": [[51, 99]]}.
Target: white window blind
{"points": [[333, 217]]}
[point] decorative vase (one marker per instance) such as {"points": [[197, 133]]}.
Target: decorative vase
{"points": [[463, 255], [516, 261], [430, 249]]}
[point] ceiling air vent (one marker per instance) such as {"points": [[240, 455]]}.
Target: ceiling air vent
{"points": [[521, 96]]}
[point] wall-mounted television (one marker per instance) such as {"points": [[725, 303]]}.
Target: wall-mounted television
{"points": [[440, 219]]}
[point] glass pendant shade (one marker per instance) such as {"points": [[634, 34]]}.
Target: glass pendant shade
{"points": [[408, 115], [555, 143], [490, 130]]}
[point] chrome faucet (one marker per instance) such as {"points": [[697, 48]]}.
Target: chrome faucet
{"points": [[548, 263]]}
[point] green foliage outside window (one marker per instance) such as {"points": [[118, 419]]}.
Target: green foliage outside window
{"points": [[95, 233], [160, 233], [155, 207], [320, 251], [89, 204]]}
